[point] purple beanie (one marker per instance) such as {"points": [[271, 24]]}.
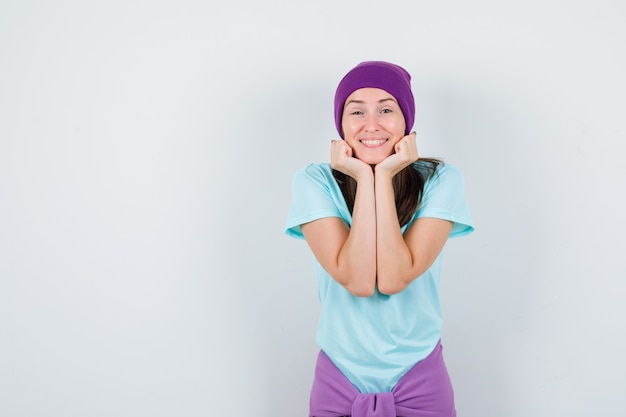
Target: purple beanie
{"points": [[377, 74]]}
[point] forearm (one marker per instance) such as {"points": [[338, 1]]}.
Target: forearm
{"points": [[394, 261], [356, 263], [403, 258]]}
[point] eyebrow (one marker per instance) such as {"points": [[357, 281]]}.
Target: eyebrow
{"points": [[362, 101]]}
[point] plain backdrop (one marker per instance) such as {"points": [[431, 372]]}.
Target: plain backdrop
{"points": [[146, 156]]}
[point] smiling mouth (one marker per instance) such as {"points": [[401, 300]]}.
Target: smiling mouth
{"points": [[373, 143]]}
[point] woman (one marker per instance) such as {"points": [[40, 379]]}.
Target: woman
{"points": [[376, 218]]}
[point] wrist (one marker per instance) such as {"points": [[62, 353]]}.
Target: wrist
{"points": [[383, 172], [364, 175]]}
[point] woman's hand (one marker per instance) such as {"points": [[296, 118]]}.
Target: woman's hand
{"points": [[341, 159], [406, 154], [348, 254]]}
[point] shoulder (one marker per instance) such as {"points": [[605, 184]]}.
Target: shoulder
{"points": [[315, 194], [316, 170], [444, 198], [319, 173], [445, 174]]}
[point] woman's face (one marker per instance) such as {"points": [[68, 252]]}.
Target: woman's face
{"points": [[372, 124]]}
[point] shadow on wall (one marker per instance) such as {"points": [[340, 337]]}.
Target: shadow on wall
{"points": [[275, 272], [485, 283]]}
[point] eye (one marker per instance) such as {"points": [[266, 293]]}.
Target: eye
{"points": [[356, 112], [386, 111]]}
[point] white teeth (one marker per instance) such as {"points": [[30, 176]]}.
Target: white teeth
{"points": [[373, 142]]}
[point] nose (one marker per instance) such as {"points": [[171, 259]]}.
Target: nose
{"points": [[371, 122]]}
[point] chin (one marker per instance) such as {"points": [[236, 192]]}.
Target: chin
{"points": [[373, 160]]}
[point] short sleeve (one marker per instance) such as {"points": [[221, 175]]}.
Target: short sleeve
{"points": [[314, 195], [444, 198]]}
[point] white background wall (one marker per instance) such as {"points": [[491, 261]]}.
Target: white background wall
{"points": [[146, 154]]}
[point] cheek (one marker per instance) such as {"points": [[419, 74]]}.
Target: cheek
{"points": [[345, 126], [400, 127], [349, 131], [350, 141]]}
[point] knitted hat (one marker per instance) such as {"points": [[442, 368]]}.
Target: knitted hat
{"points": [[377, 74]]}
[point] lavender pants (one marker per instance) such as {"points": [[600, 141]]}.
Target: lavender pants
{"points": [[424, 391]]}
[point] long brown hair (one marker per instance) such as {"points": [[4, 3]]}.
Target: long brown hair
{"points": [[408, 187]]}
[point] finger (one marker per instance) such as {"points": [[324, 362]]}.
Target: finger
{"points": [[340, 149], [401, 145], [410, 138], [346, 147]]}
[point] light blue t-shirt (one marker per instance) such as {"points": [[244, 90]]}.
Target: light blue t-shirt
{"points": [[374, 341]]}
